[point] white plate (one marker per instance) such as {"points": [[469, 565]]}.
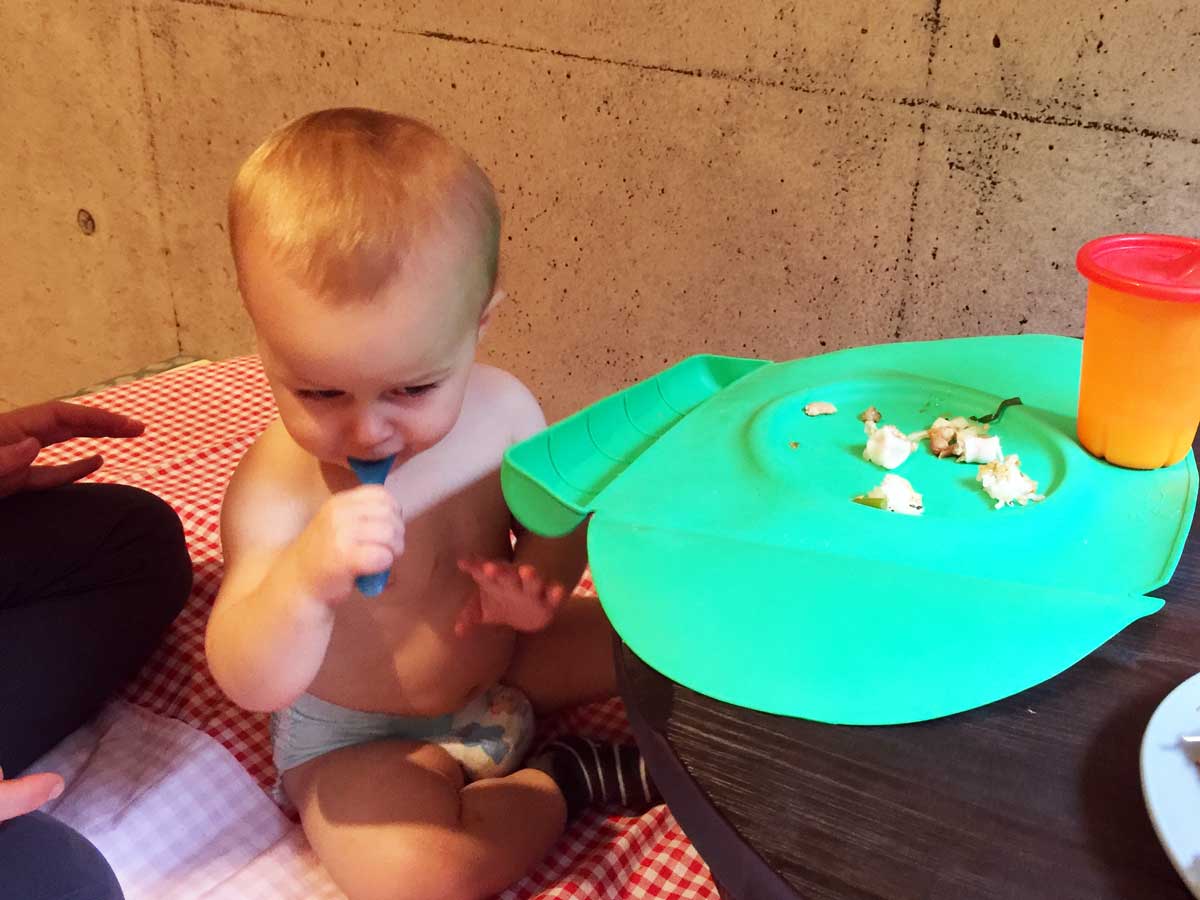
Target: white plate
{"points": [[1171, 779]]}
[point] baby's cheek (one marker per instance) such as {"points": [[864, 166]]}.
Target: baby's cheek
{"points": [[318, 442], [298, 424], [435, 427]]}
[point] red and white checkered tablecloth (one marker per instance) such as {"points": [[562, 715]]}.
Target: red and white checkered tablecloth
{"points": [[199, 422]]}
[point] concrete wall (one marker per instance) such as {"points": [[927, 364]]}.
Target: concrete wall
{"points": [[769, 179], [76, 157]]}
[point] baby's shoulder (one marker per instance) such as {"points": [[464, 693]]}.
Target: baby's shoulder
{"points": [[271, 485], [499, 395], [274, 456]]}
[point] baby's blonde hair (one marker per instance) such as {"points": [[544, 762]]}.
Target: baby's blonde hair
{"points": [[343, 198]]}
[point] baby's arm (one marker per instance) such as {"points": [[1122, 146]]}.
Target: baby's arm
{"points": [[557, 560], [525, 592], [271, 624]]}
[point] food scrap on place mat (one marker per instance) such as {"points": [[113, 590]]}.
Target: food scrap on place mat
{"points": [[1005, 483], [819, 408], [960, 438], [887, 446], [894, 494], [967, 440]]}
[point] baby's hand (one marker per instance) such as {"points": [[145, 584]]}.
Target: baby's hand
{"points": [[356, 532], [508, 595]]}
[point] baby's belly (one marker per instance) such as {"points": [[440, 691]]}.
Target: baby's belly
{"points": [[418, 668]]}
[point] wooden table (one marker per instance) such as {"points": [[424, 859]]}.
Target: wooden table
{"points": [[1035, 796]]}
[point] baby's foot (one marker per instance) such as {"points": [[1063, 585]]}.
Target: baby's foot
{"points": [[592, 773]]}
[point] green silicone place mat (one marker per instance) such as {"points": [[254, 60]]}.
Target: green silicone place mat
{"points": [[729, 555]]}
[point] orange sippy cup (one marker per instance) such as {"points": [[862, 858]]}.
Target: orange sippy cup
{"points": [[1139, 391]]}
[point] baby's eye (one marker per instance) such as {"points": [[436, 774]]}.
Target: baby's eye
{"points": [[416, 390], [310, 394]]}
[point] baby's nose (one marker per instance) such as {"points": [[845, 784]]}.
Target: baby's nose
{"points": [[371, 428]]}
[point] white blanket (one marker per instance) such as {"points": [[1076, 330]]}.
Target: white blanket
{"points": [[176, 815]]}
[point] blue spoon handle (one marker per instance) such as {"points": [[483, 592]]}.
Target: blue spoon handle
{"points": [[371, 471], [371, 585]]}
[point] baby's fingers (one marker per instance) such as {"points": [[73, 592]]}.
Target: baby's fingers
{"points": [[371, 546], [502, 576], [490, 574], [555, 595], [471, 565], [383, 530], [367, 559], [369, 499], [531, 581], [469, 616]]}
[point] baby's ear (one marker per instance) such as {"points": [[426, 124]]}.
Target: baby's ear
{"points": [[489, 309]]}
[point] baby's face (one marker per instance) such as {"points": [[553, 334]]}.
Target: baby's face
{"points": [[370, 379]]}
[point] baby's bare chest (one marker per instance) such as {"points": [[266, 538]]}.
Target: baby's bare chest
{"points": [[473, 521], [452, 508], [398, 651]]}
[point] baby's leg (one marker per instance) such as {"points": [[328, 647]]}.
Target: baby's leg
{"points": [[568, 663], [391, 820]]}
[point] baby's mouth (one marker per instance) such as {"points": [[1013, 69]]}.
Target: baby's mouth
{"points": [[371, 471]]}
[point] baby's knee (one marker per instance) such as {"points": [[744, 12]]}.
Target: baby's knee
{"points": [[437, 759]]}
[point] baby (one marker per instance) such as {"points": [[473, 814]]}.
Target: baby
{"points": [[366, 250]]}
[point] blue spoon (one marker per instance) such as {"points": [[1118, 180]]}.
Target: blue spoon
{"points": [[371, 471]]}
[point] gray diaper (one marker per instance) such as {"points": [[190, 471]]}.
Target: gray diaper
{"points": [[489, 736]]}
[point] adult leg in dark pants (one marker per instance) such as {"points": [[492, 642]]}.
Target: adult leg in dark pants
{"points": [[43, 859], [90, 577]]}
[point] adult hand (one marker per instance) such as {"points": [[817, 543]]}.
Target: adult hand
{"points": [[22, 795], [24, 432]]}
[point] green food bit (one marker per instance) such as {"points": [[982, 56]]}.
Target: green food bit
{"points": [[873, 502]]}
